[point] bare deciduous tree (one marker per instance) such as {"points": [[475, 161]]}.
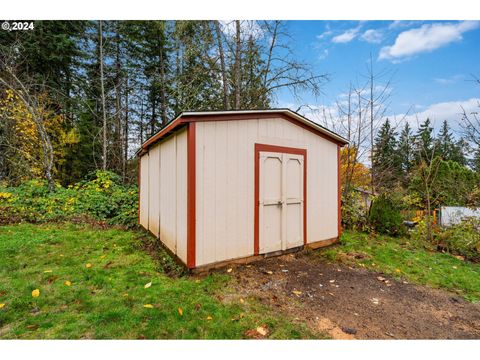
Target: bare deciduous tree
{"points": [[28, 92], [102, 95]]}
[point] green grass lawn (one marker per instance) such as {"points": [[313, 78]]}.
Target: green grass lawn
{"points": [[107, 271], [401, 259]]}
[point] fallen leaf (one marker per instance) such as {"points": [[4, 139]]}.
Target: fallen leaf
{"points": [[147, 285], [229, 270], [398, 270], [332, 281], [107, 265], [36, 293], [47, 271], [380, 278], [32, 327], [454, 267], [262, 331], [375, 301], [148, 306], [198, 306], [296, 292], [2, 306], [88, 266], [209, 318], [269, 272], [125, 294], [180, 311], [242, 301], [68, 283], [103, 256]]}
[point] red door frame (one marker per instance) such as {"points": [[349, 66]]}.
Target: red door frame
{"points": [[277, 149]]}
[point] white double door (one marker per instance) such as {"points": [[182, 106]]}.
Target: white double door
{"points": [[281, 200]]}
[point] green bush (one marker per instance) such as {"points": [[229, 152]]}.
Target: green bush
{"points": [[354, 212], [385, 217], [462, 239], [102, 197]]}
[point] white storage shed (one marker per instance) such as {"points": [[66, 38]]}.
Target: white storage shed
{"points": [[236, 185]]}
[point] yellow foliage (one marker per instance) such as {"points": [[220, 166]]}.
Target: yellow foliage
{"points": [[359, 173], [26, 138], [5, 195]]}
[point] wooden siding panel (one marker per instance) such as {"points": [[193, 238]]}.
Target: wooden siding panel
{"points": [[168, 192], [144, 193], [154, 194], [181, 195]]}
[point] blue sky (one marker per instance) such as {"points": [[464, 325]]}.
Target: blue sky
{"points": [[432, 63]]}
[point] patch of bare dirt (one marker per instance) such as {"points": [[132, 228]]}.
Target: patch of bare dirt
{"points": [[356, 303]]}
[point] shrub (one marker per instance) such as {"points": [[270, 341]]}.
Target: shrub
{"points": [[103, 198], [354, 212], [385, 217], [462, 239]]}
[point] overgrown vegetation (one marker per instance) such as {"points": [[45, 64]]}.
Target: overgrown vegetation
{"points": [[102, 196], [405, 260], [385, 217], [99, 284]]}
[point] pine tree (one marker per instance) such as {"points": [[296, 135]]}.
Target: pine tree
{"points": [[424, 142], [385, 161], [475, 162], [405, 153], [444, 142]]}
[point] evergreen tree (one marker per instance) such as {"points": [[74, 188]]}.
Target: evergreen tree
{"points": [[444, 142], [406, 153], [475, 162], [424, 142], [385, 161]]}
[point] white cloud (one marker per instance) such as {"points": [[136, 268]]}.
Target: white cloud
{"points": [[324, 34], [372, 36], [449, 110], [323, 54], [397, 24], [449, 80], [426, 38], [347, 36]]}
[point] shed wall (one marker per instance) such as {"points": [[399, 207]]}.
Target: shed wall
{"points": [[225, 184], [163, 192], [144, 181]]}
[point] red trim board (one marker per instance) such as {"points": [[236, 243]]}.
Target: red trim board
{"points": [[191, 195]]}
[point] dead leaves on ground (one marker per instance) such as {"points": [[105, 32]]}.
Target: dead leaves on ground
{"points": [[36, 293], [147, 285], [261, 332]]}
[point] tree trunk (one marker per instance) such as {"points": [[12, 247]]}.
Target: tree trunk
{"points": [[226, 103], [371, 124], [161, 58], [238, 65], [125, 135], [118, 105], [102, 87]]}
